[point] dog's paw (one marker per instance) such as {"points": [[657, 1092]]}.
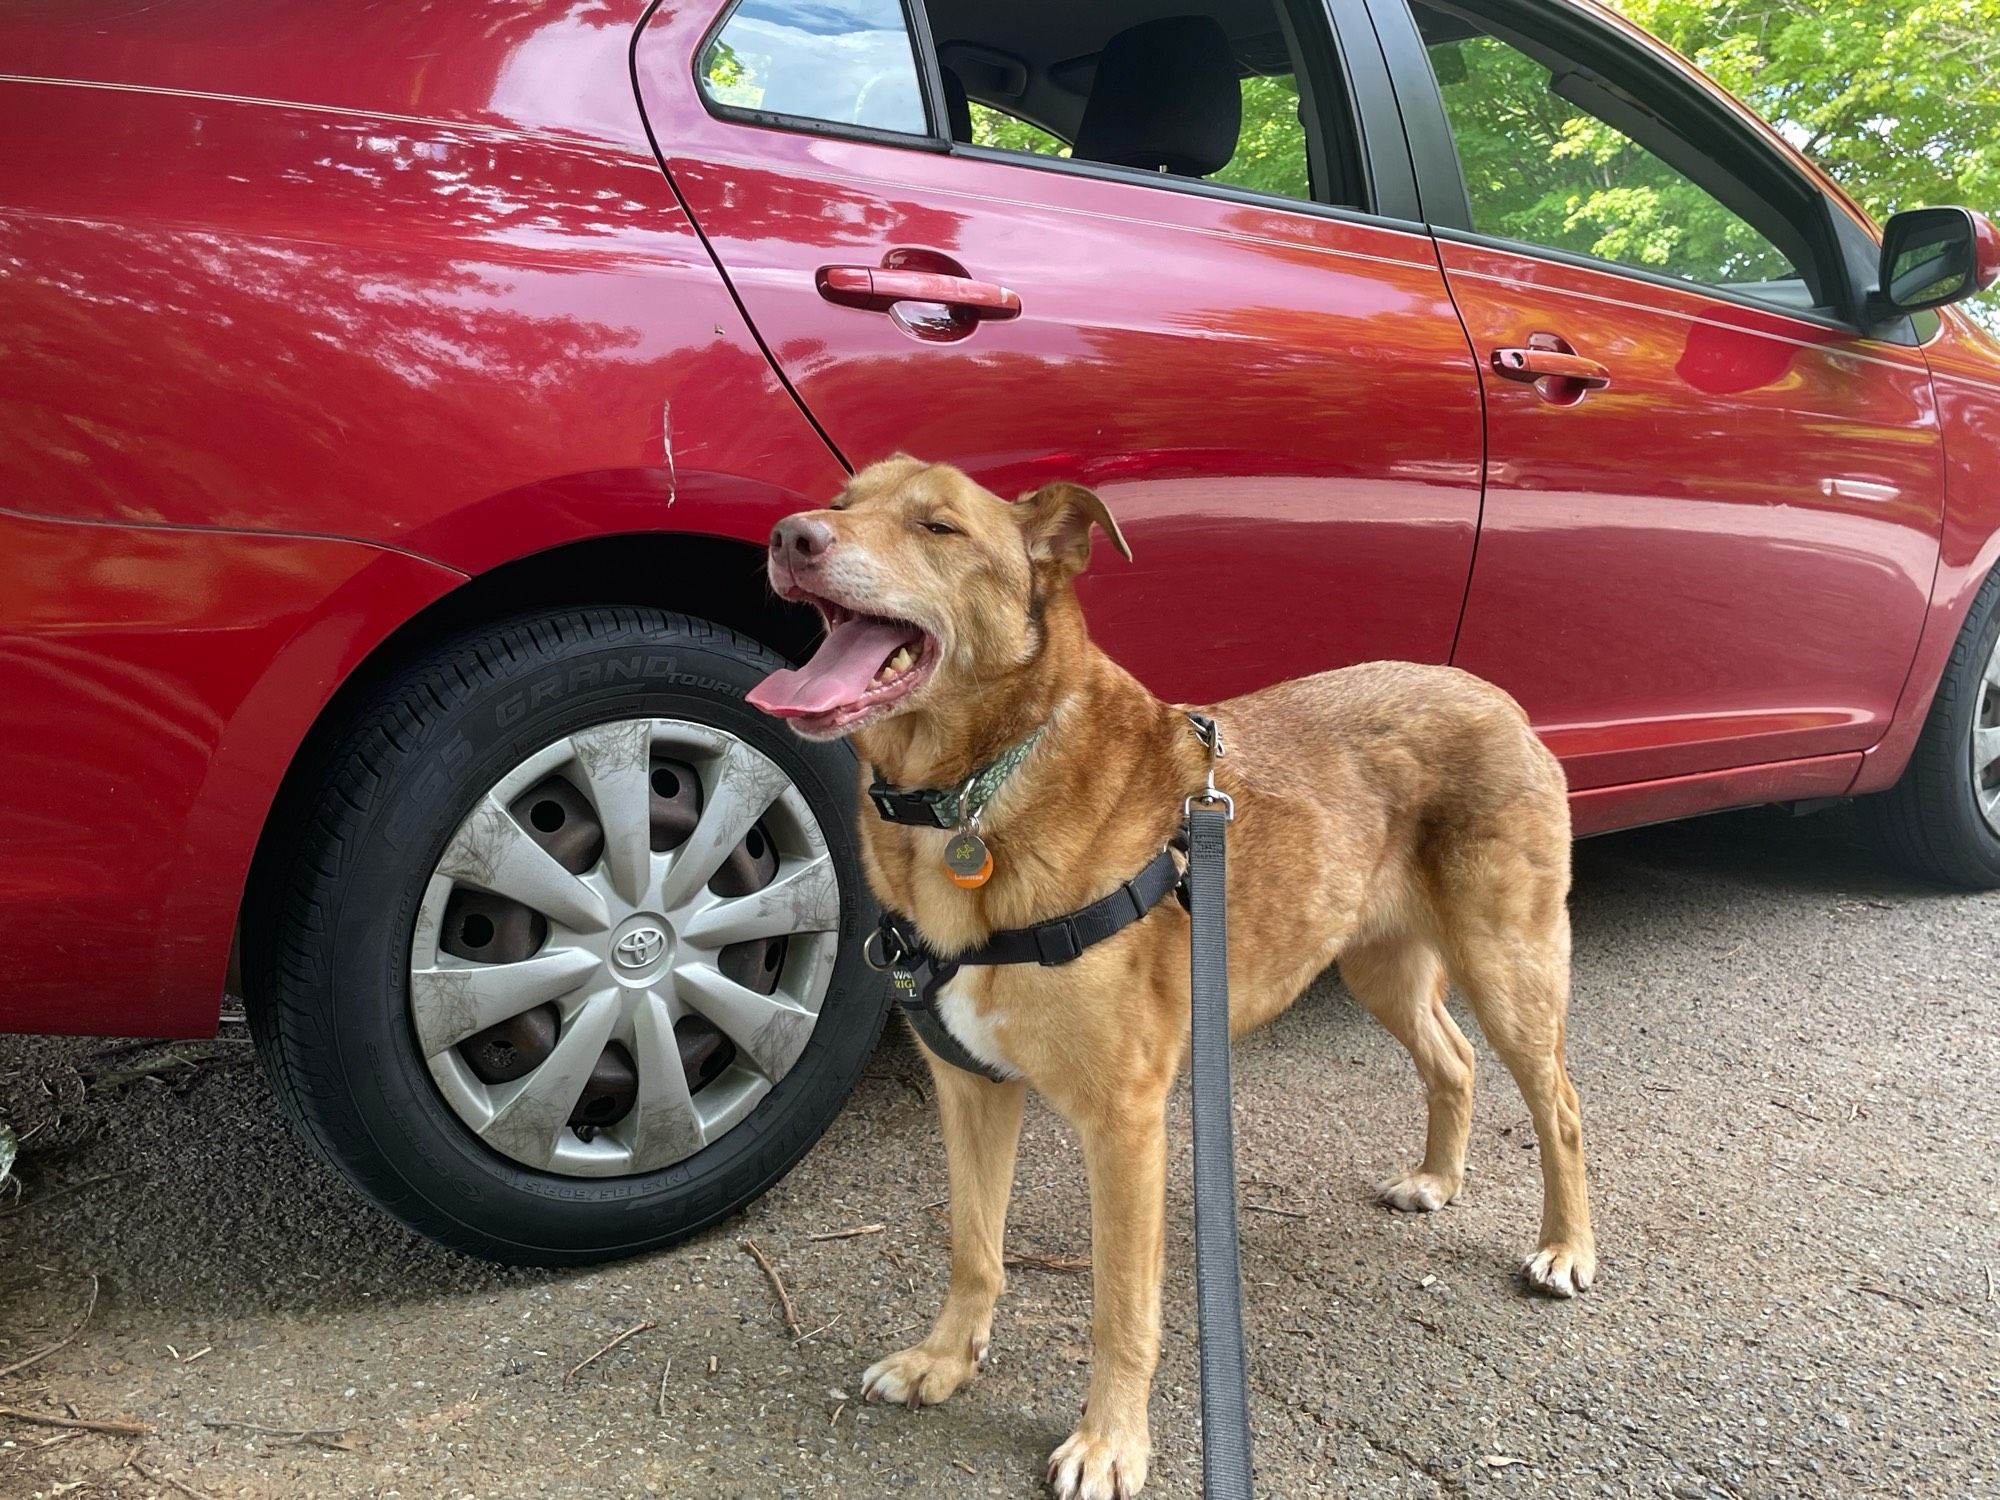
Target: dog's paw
{"points": [[1099, 1466], [1561, 1269], [920, 1376], [1416, 1192]]}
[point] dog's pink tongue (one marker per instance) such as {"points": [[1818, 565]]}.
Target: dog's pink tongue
{"points": [[839, 672]]}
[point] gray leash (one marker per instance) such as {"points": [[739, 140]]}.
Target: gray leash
{"points": [[1218, 1274]]}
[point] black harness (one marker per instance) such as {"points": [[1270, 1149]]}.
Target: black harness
{"points": [[916, 974]]}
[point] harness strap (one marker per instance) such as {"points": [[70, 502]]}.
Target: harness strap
{"points": [[916, 974], [1218, 1274]]}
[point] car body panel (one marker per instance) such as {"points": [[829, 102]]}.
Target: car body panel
{"points": [[450, 317], [1964, 361], [1696, 542], [1269, 394], [157, 682]]}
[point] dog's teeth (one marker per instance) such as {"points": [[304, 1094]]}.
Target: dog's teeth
{"points": [[902, 659]]}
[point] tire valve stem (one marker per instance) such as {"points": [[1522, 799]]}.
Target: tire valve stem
{"points": [[586, 1133]]}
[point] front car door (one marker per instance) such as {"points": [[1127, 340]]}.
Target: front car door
{"points": [[1724, 556], [1215, 307]]}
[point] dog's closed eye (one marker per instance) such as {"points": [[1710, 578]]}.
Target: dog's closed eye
{"points": [[940, 528]]}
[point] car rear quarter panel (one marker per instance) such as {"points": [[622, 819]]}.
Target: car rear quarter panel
{"points": [[298, 335], [154, 683]]}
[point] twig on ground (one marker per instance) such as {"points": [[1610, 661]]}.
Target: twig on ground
{"points": [[836, 1414], [193, 1058], [591, 1359], [959, 1463], [665, 1370], [849, 1234], [26, 1204], [323, 1437], [771, 1275], [160, 1476], [1047, 1262], [81, 1424], [818, 1331], [1989, 1283], [42, 1354], [1283, 1213], [1883, 1291]]}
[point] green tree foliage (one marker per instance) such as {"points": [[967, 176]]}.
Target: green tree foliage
{"points": [[1899, 101]]}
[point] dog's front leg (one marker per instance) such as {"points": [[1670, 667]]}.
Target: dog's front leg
{"points": [[1126, 1155], [982, 1124]]}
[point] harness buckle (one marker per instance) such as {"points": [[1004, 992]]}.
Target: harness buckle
{"points": [[1057, 942]]}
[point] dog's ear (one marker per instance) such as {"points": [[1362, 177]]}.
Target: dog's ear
{"points": [[1056, 521]]}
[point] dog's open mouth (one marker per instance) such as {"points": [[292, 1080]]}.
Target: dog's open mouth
{"points": [[865, 664]]}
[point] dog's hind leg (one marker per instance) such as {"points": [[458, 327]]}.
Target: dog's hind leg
{"points": [[1518, 983], [1402, 983], [982, 1126]]}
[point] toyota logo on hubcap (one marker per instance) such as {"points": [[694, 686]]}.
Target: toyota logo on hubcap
{"points": [[639, 947]]}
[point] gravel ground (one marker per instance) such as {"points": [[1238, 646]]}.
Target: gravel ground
{"points": [[1788, 1072]]}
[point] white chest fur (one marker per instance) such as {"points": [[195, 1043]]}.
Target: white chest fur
{"points": [[975, 1033]]}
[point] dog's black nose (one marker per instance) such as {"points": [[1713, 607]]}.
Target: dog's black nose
{"points": [[800, 538]]}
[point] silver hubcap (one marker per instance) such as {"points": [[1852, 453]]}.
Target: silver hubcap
{"points": [[624, 947], [1986, 742]]}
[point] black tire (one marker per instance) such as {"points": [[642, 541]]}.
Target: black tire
{"points": [[328, 940], [1930, 821]]}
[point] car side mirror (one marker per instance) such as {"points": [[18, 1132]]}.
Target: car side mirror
{"points": [[1933, 256]]}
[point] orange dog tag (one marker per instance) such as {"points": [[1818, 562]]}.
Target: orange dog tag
{"points": [[967, 860]]}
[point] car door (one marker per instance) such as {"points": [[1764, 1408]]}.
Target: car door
{"points": [[1722, 556], [1268, 382]]}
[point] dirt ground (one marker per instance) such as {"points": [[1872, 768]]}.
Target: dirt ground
{"points": [[1787, 1059]]}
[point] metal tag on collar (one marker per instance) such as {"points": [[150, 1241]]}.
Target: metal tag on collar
{"points": [[967, 860]]}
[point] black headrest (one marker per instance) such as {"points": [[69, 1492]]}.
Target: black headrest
{"points": [[957, 107], [1165, 96]]}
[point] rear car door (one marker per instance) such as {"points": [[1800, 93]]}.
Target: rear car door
{"points": [[1216, 307], [1723, 557]]}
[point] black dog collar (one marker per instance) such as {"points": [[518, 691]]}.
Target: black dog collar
{"points": [[949, 807]]}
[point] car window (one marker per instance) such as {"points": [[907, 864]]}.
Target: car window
{"points": [[1271, 147], [1000, 131], [1541, 167], [847, 62], [1211, 96]]}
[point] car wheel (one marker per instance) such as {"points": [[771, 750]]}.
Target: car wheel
{"points": [[559, 962], [1942, 820]]}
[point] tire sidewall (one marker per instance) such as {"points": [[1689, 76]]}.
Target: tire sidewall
{"points": [[1979, 844], [559, 683]]}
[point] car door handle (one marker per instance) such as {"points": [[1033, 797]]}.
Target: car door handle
{"points": [[1531, 365], [882, 287]]}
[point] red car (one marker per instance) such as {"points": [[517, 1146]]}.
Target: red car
{"points": [[397, 400]]}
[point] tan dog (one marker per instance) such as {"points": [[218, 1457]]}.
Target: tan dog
{"points": [[1401, 819]]}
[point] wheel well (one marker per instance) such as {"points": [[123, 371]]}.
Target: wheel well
{"points": [[715, 578]]}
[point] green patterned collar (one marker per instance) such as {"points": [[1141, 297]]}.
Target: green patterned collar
{"points": [[950, 807]]}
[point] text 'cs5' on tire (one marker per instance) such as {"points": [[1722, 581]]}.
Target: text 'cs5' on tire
{"points": [[558, 963]]}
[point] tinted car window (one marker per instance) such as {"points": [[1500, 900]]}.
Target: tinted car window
{"points": [[1541, 168], [1144, 84], [848, 62]]}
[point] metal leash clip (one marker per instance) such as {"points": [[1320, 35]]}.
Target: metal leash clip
{"points": [[1210, 734]]}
